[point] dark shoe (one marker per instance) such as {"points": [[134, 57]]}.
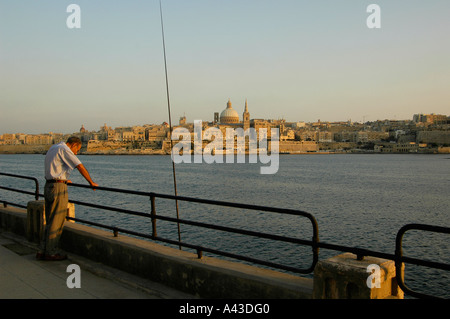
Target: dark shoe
{"points": [[39, 256], [55, 257]]}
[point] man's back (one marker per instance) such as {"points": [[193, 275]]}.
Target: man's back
{"points": [[59, 162]]}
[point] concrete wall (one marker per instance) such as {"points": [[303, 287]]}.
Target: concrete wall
{"points": [[24, 149], [206, 277], [339, 277], [298, 147]]}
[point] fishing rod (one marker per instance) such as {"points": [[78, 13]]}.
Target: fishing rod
{"points": [[170, 119]]}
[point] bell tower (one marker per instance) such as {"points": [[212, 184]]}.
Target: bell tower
{"points": [[246, 116]]}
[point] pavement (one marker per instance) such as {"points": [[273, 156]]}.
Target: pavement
{"points": [[24, 277]]}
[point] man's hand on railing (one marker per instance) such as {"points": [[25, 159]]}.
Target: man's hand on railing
{"points": [[93, 185]]}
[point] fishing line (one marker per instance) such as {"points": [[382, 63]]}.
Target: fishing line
{"points": [[170, 118]]}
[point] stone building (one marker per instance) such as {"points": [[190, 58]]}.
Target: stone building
{"points": [[434, 137]]}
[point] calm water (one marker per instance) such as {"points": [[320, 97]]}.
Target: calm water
{"points": [[357, 200]]}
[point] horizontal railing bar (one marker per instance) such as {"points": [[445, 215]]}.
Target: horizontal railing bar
{"points": [[19, 176], [244, 258], [236, 230], [355, 250], [111, 189], [237, 205], [76, 219], [115, 209], [432, 228], [202, 201], [17, 190], [366, 252], [12, 204], [426, 263], [199, 224]]}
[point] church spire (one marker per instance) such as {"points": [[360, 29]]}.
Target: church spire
{"points": [[246, 116]]}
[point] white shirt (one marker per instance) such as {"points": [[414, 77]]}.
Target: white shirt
{"points": [[59, 162]]}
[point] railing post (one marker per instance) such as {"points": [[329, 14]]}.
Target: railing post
{"points": [[35, 221], [346, 277], [36, 193], [153, 213]]}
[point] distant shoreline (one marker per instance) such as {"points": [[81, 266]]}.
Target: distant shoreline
{"points": [[42, 149], [24, 149]]}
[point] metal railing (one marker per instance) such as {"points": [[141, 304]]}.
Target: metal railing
{"points": [[154, 217], [314, 243], [399, 259], [35, 193]]}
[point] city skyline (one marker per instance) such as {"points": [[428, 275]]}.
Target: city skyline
{"points": [[295, 60], [436, 119]]}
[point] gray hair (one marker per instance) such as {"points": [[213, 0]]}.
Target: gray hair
{"points": [[73, 140]]}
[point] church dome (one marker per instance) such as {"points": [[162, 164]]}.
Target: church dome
{"points": [[229, 115]]}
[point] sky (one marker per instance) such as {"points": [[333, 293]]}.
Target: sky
{"points": [[291, 59]]}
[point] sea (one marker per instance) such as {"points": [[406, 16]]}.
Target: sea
{"points": [[358, 200]]}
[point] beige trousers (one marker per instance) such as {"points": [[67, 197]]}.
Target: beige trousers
{"points": [[56, 201]]}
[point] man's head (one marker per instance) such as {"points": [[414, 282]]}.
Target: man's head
{"points": [[74, 143]]}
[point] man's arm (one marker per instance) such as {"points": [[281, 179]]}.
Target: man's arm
{"points": [[83, 171]]}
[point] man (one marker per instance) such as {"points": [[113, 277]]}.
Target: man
{"points": [[60, 161]]}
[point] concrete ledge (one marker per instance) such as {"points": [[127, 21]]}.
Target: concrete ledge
{"points": [[14, 220], [206, 277]]}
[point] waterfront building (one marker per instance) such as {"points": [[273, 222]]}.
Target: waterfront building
{"points": [[397, 147], [434, 137]]}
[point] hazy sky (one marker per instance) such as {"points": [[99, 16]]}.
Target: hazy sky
{"points": [[297, 60]]}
